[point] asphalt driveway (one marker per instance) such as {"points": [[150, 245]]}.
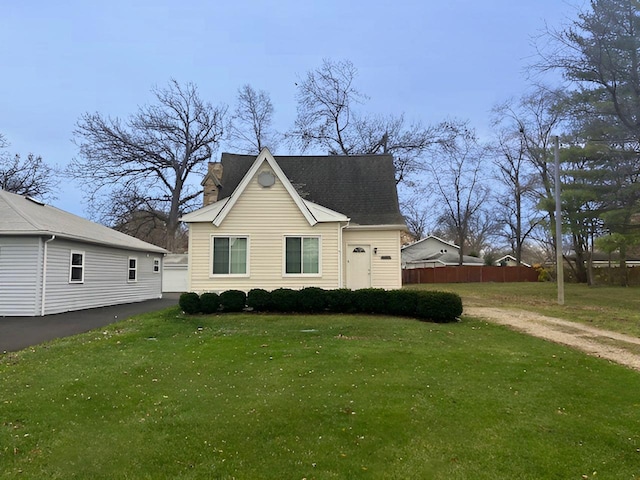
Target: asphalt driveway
{"points": [[17, 333]]}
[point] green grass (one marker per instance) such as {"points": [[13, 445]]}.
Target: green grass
{"points": [[318, 397], [613, 308]]}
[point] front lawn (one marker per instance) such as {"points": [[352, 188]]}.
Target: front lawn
{"points": [[612, 308], [318, 397]]}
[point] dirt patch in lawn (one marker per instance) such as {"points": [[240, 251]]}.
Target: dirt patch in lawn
{"points": [[617, 347]]}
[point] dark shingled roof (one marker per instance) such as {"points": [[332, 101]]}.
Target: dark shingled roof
{"points": [[361, 187]]}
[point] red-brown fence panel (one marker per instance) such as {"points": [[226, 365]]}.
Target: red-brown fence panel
{"points": [[465, 274]]}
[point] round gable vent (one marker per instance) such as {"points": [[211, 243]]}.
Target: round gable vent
{"points": [[266, 179]]}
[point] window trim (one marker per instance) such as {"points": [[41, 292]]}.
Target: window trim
{"points": [[134, 269], [81, 266], [246, 259], [284, 256]]}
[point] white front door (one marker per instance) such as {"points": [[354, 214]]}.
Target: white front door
{"points": [[358, 266]]}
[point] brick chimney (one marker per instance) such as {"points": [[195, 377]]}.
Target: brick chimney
{"points": [[212, 183]]}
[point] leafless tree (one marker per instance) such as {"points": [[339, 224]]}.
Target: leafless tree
{"points": [[328, 118], [482, 231], [250, 127], [29, 176], [148, 160], [516, 210], [419, 215], [526, 128], [458, 179]]}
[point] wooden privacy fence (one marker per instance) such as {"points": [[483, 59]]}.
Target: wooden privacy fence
{"points": [[469, 274]]}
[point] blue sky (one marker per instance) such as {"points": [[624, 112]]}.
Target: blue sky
{"points": [[431, 60]]}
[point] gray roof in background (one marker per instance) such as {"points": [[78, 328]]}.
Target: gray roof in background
{"points": [[24, 216], [361, 187]]}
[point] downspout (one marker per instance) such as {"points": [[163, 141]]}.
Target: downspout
{"points": [[340, 256], [44, 275]]}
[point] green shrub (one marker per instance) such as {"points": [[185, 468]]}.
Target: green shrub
{"points": [[402, 303], [189, 303], [543, 273], [260, 300], [233, 300], [209, 302], [312, 300], [340, 300], [370, 300], [439, 307], [285, 300]]}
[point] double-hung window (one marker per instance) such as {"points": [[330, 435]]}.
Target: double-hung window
{"points": [[76, 267], [133, 269], [302, 255], [229, 255]]}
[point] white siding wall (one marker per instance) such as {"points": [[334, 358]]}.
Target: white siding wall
{"points": [[20, 276], [426, 247], [265, 215], [175, 278], [105, 277], [385, 273]]}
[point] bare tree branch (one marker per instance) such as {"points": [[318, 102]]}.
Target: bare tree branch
{"points": [[155, 151], [29, 176], [250, 128]]}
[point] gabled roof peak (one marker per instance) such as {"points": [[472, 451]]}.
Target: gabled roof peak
{"points": [[362, 187]]}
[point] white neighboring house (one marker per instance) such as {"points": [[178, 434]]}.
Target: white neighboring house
{"points": [[433, 252], [322, 221], [52, 261], [509, 261]]}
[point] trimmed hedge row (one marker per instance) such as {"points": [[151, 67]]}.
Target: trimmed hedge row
{"points": [[435, 306]]}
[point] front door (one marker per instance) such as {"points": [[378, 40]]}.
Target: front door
{"points": [[358, 266]]}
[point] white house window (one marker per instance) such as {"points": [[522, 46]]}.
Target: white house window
{"points": [[156, 265], [76, 267], [133, 269], [302, 255], [229, 255]]}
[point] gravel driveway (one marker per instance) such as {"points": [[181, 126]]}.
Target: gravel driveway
{"points": [[617, 347]]}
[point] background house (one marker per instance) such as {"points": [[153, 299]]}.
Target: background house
{"points": [[52, 261], [508, 261], [270, 222], [432, 252]]}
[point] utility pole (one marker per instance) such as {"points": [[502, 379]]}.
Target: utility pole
{"points": [[559, 259]]}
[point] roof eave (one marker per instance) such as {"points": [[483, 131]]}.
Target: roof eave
{"points": [[401, 227]]}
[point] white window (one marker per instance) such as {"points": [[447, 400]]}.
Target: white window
{"points": [[302, 255], [76, 267], [156, 265], [229, 255], [133, 270]]}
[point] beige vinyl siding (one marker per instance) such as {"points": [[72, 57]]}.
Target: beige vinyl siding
{"points": [[20, 276], [105, 277], [385, 273], [265, 216]]}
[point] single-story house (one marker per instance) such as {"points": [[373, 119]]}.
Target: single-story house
{"points": [[603, 260], [295, 222], [509, 261], [433, 252], [52, 261]]}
